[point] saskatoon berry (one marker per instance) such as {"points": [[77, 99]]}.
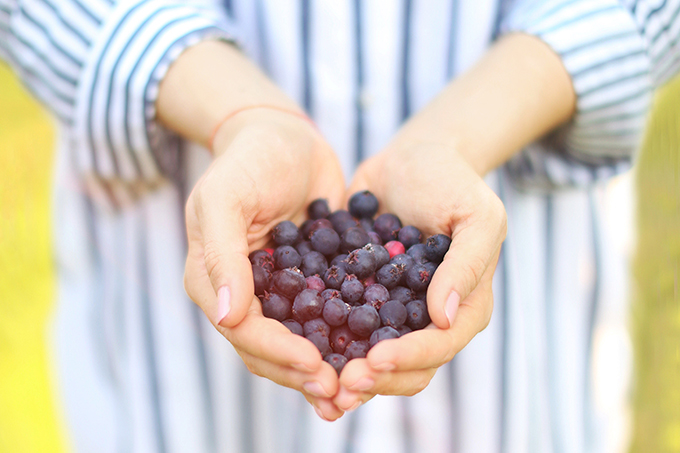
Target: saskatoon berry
{"points": [[353, 238], [330, 293], [318, 209], [340, 337], [382, 256], [402, 294], [395, 248], [334, 276], [339, 218], [374, 238], [316, 325], [307, 305], [430, 267], [366, 224], [402, 260], [352, 289], [303, 247], [320, 223], [363, 320], [436, 247], [417, 316], [417, 252], [289, 282], [418, 277], [392, 313], [342, 258], [361, 263], [357, 349], [286, 256], [285, 233], [337, 361], [294, 327], [313, 263], [263, 259], [363, 205], [316, 283], [321, 342], [389, 276], [306, 229], [276, 306], [325, 241], [376, 295], [261, 278], [410, 236], [384, 333], [403, 330], [335, 312], [387, 226]]}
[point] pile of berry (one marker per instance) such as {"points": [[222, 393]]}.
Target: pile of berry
{"points": [[346, 281]]}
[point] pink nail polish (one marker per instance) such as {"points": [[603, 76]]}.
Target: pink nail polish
{"points": [[452, 307], [223, 303]]}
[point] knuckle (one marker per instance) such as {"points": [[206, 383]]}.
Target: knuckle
{"points": [[212, 257]]}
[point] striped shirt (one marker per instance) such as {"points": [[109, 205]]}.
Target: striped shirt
{"points": [[140, 369]]}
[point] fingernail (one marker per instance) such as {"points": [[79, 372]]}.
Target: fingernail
{"points": [[346, 398], [354, 406], [385, 366], [223, 303], [302, 367], [320, 414], [363, 384], [315, 389], [452, 306]]}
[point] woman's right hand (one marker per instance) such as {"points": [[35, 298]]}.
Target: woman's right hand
{"points": [[269, 165]]}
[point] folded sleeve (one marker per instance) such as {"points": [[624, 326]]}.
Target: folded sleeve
{"points": [[613, 54], [97, 64]]}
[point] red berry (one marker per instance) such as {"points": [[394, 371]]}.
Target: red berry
{"points": [[395, 248], [270, 251]]}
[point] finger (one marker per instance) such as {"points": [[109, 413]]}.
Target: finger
{"points": [[325, 408], [322, 383], [474, 244], [360, 378], [219, 228]]}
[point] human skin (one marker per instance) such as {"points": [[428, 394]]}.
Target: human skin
{"points": [[269, 164]]}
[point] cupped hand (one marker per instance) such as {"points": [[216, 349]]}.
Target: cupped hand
{"points": [[269, 165], [432, 187]]}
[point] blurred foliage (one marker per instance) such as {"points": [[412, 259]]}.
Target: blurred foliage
{"points": [[656, 302], [28, 418]]}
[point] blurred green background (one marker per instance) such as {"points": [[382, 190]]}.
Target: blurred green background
{"points": [[30, 414]]}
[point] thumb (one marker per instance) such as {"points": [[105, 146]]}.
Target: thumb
{"points": [[218, 274], [473, 248]]}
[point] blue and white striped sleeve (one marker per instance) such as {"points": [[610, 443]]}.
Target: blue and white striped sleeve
{"points": [[613, 52], [96, 64]]}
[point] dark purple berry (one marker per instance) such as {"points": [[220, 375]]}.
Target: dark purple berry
{"points": [[389, 276], [318, 209], [340, 337], [361, 263], [417, 252], [316, 283], [387, 226], [313, 263], [318, 224], [363, 205], [402, 294], [306, 229], [303, 247], [392, 313], [417, 316], [334, 276], [374, 238], [276, 306], [335, 312], [403, 330], [357, 349], [436, 247], [367, 225], [363, 320], [430, 267], [342, 220], [288, 282], [384, 333], [376, 295], [316, 325], [262, 279], [382, 256], [321, 342], [286, 256], [342, 258], [285, 233], [263, 259], [410, 236], [352, 289], [418, 277], [402, 260], [353, 238], [330, 293], [337, 361], [307, 305], [294, 327], [325, 241]]}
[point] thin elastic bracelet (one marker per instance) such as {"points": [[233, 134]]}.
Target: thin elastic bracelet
{"points": [[251, 107]]}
